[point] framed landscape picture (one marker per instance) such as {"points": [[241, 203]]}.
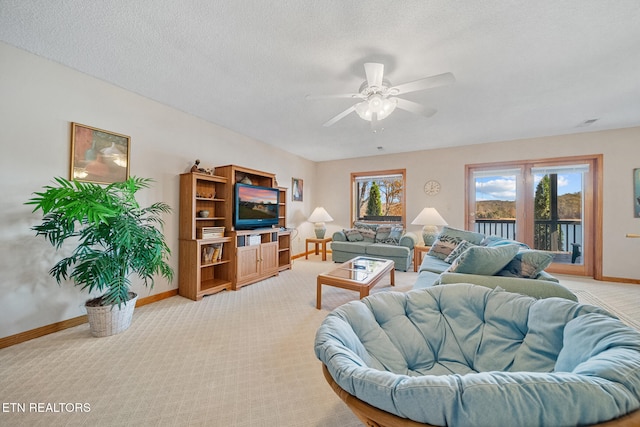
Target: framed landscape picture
{"points": [[296, 189], [98, 155]]}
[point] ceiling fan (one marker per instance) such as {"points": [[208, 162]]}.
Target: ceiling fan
{"points": [[379, 97]]}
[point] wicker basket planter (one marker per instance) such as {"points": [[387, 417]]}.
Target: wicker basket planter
{"points": [[109, 320]]}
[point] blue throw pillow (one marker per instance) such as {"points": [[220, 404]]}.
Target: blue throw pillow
{"points": [[368, 235], [493, 241], [458, 250], [353, 235], [483, 260], [449, 238], [527, 263], [382, 233]]}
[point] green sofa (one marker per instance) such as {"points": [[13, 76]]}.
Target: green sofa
{"points": [[387, 241], [498, 263]]}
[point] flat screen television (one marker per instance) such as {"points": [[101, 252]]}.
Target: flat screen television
{"points": [[255, 207]]}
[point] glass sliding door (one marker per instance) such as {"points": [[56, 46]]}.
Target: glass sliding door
{"points": [[558, 211], [551, 205]]}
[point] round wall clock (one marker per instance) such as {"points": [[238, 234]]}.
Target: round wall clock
{"points": [[431, 187]]}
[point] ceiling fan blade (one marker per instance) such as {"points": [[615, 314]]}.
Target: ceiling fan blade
{"points": [[340, 116], [374, 72], [422, 84], [415, 108], [340, 95]]}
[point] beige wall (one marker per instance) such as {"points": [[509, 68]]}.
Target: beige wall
{"points": [[620, 149], [39, 99]]}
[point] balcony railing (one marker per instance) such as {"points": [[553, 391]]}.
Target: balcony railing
{"points": [[567, 235]]}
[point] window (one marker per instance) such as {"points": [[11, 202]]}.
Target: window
{"points": [[378, 196], [551, 205]]}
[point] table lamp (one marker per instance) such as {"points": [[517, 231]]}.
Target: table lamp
{"points": [[319, 216], [431, 219]]}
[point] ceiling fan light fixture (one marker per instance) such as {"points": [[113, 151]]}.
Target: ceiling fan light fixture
{"points": [[382, 107], [363, 110]]}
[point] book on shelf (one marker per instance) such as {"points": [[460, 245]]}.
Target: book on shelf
{"points": [[212, 253], [207, 254]]}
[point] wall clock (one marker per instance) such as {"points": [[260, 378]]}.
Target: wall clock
{"points": [[431, 187]]}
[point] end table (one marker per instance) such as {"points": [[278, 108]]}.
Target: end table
{"points": [[317, 242], [418, 253]]}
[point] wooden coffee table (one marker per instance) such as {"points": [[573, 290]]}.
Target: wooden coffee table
{"points": [[358, 274]]}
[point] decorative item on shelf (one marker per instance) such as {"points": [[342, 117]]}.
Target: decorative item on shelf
{"points": [[319, 216], [203, 214], [246, 180], [431, 219], [210, 232], [197, 169]]}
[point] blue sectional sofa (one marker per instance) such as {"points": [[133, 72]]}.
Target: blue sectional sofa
{"points": [[387, 241], [461, 256], [466, 355]]}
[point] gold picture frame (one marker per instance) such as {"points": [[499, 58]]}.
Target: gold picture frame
{"points": [[98, 155]]}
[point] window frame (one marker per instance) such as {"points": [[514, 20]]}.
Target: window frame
{"points": [[354, 196]]}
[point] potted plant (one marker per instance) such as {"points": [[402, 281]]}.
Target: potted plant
{"points": [[114, 238]]}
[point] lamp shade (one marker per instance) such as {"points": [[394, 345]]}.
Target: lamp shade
{"points": [[431, 219], [319, 216], [429, 216]]}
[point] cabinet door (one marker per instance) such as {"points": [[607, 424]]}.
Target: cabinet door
{"points": [[248, 263], [269, 257]]}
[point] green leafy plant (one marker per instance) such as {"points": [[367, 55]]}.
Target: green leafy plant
{"points": [[114, 236]]}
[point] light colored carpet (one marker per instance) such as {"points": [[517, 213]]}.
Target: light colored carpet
{"points": [[240, 359], [587, 298]]}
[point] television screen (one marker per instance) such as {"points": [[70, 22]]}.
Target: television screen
{"points": [[256, 206]]}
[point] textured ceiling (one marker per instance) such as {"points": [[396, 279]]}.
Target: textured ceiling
{"points": [[523, 68]]}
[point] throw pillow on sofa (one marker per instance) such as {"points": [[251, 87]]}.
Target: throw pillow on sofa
{"points": [[458, 250], [368, 235], [483, 260], [395, 235], [449, 238], [493, 241], [527, 263], [382, 233], [353, 235], [389, 234]]}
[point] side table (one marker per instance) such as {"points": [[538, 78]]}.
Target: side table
{"points": [[418, 253], [318, 243]]}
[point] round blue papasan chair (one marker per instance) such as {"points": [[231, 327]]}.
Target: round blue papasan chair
{"points": [[467, 355]]}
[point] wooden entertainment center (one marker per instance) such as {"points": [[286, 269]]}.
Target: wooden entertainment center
{"points": [[210, 262]]}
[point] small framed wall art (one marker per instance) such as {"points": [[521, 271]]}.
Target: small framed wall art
{"points": [[636, 193], [296, 189], [98, 155]]}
